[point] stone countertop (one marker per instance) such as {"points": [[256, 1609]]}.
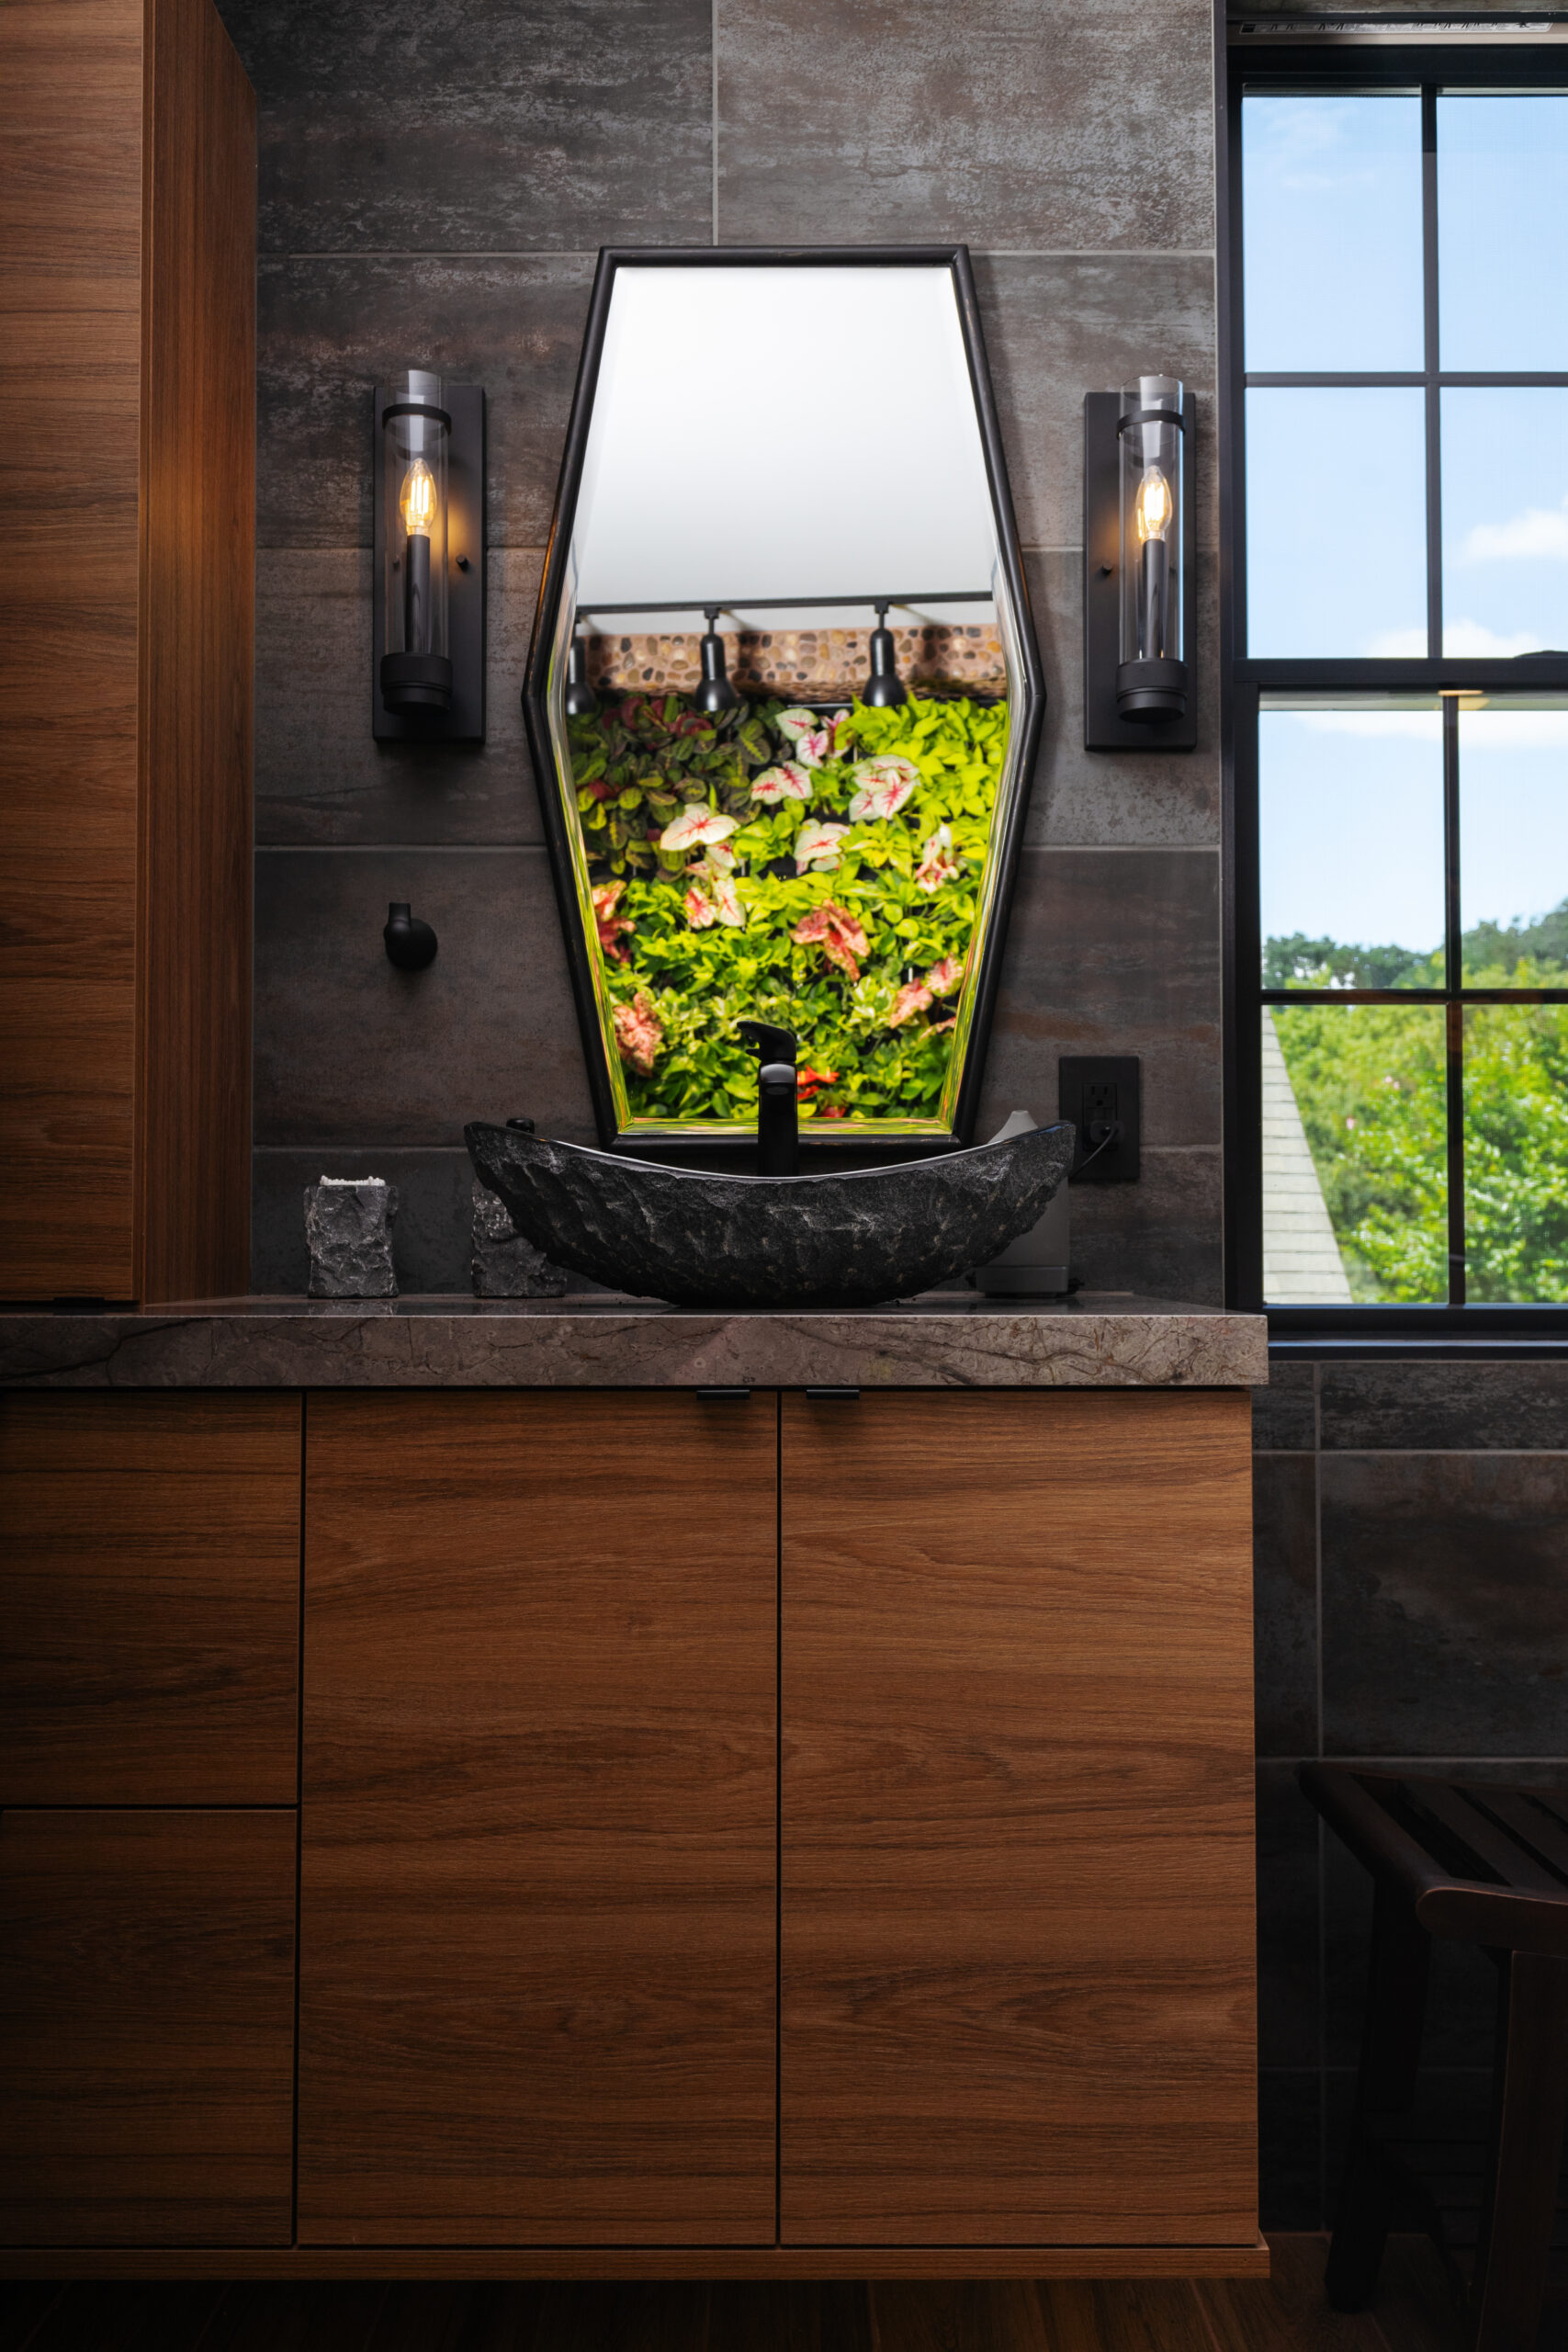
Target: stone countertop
{"points": [[945, 1339]]}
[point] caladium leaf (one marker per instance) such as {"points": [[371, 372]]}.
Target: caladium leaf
{"points": [[639, 1034], [838, 934], [789, 781], [696, 824], [938, 864], [797, 723], [912, 998], [814, 745], [817, 845], [885, 785], [943, 977]]}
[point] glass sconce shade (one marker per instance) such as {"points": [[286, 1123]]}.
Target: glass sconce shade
{"points": [[416, 666], [1151, 678]]}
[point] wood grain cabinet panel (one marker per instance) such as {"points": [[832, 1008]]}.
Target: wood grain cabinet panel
{"points": [[146, 2028], [539, 1903], [1017, 1821], [149, 1598], [127, 372]]}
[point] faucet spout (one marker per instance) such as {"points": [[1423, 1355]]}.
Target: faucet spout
{"points": [[778, 1107]]}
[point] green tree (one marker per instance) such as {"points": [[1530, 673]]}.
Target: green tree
{"points": [[1371, 1083]]}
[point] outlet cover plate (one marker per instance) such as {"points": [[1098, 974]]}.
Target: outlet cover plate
{"points": [[1099, 1085]]}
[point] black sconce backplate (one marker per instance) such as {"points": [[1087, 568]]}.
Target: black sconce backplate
{"points": [[465, 722], [1102, 730]]}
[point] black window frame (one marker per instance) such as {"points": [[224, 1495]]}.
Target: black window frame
{"points": [[1326, 61]]}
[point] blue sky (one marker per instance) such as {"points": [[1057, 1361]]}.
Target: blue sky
{"points": [[1352, 815], [1336, 482]]}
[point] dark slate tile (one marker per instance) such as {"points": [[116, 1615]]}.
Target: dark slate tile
{"points": [[350, 1051], [440, 126], [1445, 1606], [1288, 1991], [1290, 2149], [330, 329], [431, 1245], [1159, 1236], [1060, 324], [1159, 799], [321, 776], [1284, 1555], [1284, 1415], [1113, 952], [841, 121], [1437, 1407]]}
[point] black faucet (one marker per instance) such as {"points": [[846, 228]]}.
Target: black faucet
{"points": [[778, 1115]]}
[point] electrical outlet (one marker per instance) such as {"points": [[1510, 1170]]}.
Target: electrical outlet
{"points": [[1100, 1094]]}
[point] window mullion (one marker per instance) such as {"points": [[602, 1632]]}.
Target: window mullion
{"points": [[1430, 358], [1453, 962]]}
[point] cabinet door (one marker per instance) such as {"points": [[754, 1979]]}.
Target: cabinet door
{"points": [[1017, 1820], [540, 1792], [146, 2028], [149, 1600]]}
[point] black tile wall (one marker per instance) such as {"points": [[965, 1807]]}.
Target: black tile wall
{"points": [[1412, 1616]]}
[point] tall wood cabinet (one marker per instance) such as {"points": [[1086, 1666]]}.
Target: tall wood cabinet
{"points": [[127, 381]]}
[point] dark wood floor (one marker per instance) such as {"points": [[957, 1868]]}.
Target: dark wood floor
{"points": [[1288, 2314]]}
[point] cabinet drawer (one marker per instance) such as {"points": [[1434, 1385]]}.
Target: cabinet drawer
{"points": [[150, 1598], [146, 2028]]}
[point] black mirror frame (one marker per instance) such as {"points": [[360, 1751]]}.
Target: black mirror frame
{"points": [[1028, 697]]}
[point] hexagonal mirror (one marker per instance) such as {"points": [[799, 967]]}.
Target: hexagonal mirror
{"points": [[783, 694]]}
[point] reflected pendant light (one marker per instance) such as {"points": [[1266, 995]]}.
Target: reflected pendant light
{"points": [[581, 702], [884, 690], [715, 691]]}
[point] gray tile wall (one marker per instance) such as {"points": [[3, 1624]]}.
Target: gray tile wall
{"points": [[436, 176], [1412, 1608]]}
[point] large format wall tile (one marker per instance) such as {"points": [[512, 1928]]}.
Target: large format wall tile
{"points": [[1284, 1415], [1157, 799], [1288, 1990], [330, 329], [321, 776], [1284, 1552], [1159, 1236], [1290, 2151], [431, 1232], [480, 125], [1003, 123], [350, 1051], [1445, 1605], [1058, 325], [1113, 952], [1442, 1405]]}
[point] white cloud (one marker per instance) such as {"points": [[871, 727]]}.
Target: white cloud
{"points": [[1539, 535], [1398, 645], [1378, 726]]}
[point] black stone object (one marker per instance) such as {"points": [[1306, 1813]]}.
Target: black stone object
{"points": [[703, 1240]]}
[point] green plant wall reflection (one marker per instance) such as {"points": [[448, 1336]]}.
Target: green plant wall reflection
{"points": [[821, 870]]}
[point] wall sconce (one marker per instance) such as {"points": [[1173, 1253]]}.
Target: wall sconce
{"points": [[1138, 568], [428, 678], [884, 690]]}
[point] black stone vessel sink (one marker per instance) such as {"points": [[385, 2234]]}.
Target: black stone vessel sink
{"points": [[700, 1239]]}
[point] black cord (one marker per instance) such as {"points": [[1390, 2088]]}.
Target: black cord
{"points": [[1112, 1131]]}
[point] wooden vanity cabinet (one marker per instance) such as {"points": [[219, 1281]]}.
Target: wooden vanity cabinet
{"points": [[1017, 1812], [149, 1745], [538, 1906]]}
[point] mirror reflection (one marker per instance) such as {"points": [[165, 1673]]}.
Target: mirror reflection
{"points": [[784, 696]]}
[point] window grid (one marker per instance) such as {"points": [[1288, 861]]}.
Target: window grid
{"points": [[1448, 675]]}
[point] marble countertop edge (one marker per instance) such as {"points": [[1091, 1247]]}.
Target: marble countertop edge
{"points": [[946, 1339]]}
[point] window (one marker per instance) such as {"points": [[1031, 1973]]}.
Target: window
{"points": [[1398, 698]]}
